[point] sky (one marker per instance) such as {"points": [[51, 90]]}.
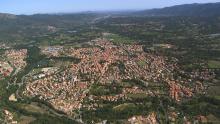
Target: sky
{"points": [[68, 6]]}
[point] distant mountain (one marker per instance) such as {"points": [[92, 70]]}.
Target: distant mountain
{"points": [[7, 16], [19, 27], [208, 9]]}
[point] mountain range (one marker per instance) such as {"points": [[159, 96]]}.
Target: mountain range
{"points": [[17, 26], [196, 9], [208, 9]]}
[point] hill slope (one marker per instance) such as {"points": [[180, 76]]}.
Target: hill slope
{"points": [[19, 27], [7, 16], [209, 9]]}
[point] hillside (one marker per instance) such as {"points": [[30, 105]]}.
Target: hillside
{"points": [[209, 9], [7, 16], [19, 27]]}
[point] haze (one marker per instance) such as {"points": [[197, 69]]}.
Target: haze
{"points": [[67, 6]]}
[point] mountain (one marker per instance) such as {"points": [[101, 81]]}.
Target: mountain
{"points": [[7, 16], [204, 10], [19, 27]]}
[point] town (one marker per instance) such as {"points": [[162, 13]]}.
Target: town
{"points": [[127, 62], [104, 63]]}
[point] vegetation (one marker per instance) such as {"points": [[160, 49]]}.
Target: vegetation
{"points": [[213, 64], [194, 40]]}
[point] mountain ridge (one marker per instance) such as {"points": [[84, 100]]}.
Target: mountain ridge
{"points": [[7, 16], [195, 9]]}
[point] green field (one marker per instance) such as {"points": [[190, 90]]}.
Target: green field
{"points": [[117, 39], [213, 64]]}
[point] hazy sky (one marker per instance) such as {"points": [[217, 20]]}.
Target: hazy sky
{"points": [[58, 6]]}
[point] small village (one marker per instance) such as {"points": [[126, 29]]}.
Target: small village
{"points": [[8, 118], [13, 61], [5, 69], [17, 58]]}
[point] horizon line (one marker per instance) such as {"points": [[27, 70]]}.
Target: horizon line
{"points": [[102, 11]]}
